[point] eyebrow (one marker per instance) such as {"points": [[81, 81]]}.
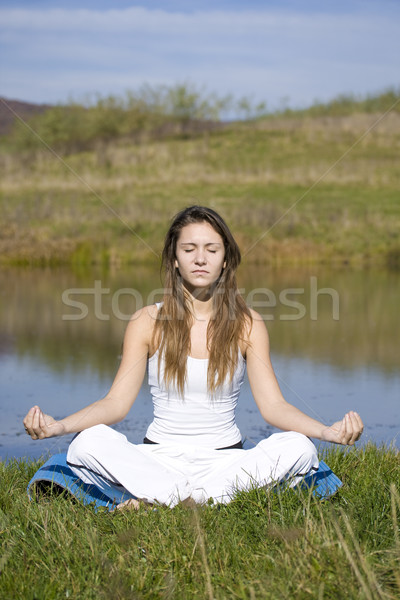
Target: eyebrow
{"points": [[193, 244]]}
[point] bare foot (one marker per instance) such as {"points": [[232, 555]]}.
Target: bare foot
{"points": [[189, 503], [129, 504]]}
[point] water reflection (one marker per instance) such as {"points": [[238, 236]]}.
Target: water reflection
{"points": [[32, 314], [366, 332], [40, 330]]}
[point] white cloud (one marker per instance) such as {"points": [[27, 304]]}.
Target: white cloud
{"points": [[268, 53], [159, 21]]}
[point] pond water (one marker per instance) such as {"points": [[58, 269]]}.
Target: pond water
{"points": [[334, 340]]}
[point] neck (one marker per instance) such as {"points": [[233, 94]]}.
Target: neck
{"points": [[200, 302]]}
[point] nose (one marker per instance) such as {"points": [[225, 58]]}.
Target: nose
{"points": [[200, 258]]}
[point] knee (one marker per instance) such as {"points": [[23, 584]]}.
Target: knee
{"points": [[306, 452], [79, 448], [295, 449], [85, 443]]}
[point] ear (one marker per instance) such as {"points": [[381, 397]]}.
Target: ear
{"points": [[224, 265], [176, 264]]}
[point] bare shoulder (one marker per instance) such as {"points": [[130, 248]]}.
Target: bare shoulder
{"points": [[141, 325], [149, 312], [257, 325], [256, 331], [256, 316]]}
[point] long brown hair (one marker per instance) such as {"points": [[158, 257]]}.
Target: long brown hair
{"points": [[174, 320]]}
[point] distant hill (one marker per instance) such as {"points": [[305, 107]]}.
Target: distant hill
{"points": [[159, 113], [25, 110]]}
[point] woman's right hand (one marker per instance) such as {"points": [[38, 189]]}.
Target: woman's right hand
{"points": [[40, 426]]}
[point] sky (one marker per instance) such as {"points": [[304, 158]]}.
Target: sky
{"points": [[285, 53]]}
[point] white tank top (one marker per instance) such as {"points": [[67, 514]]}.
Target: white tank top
{"points": [[197, 418]]}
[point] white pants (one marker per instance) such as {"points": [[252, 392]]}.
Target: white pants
{"points": [[167, 474]]}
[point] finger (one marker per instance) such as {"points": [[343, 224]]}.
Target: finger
{"points": [[338, 429], [30, 422], [35, 423], [349, 439], [342, 430], [360, 424], [28, 419], [357, 426], [352, 428], [347, 430], [43, 425], [348, 436]]}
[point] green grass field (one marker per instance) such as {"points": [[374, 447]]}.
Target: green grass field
{"points": [[298, 188], [263, 545]]}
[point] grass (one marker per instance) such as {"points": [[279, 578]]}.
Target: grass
{"points": [[312, 189], [262, 545]]}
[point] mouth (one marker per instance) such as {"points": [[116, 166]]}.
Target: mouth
{"points": [[200, 272]]}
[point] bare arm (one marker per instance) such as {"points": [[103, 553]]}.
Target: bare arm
{"points": [[116, 404], [274, 408]]}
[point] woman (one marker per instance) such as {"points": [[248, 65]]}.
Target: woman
{"points": [[196, 345]]}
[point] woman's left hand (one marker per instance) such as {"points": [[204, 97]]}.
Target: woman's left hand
{"points": [[347, 431]]}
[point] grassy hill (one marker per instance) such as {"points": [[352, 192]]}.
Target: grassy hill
{"points": [[10, 108], [98, 184], [263, 545]]}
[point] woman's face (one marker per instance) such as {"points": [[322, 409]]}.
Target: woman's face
{"points": [[200, 255]]}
